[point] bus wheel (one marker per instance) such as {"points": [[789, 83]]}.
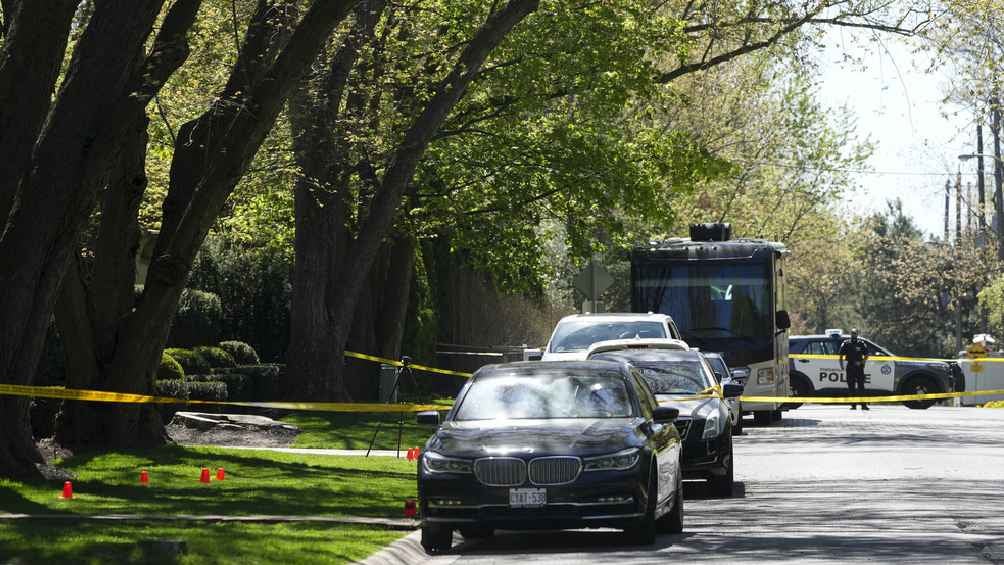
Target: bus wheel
{"points": [[920, 385], [799, 387]]}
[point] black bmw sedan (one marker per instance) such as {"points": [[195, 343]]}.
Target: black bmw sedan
{"points": [[556, 445], [678, 379]]}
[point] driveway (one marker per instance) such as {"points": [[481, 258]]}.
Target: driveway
{"points": [[825, 485]]}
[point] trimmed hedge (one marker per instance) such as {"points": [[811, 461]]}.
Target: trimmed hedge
{"points": [[242, 353], [198, 320], [216, 357], [185, 390], [175, 388], [191, 362], [169, 368]]}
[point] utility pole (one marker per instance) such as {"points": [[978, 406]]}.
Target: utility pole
{"points": [[995, 126], [948, 197], [981, 212], [958, 207], [969, 209]]}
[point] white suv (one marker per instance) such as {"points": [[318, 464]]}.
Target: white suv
{"points": [[574, 334]]}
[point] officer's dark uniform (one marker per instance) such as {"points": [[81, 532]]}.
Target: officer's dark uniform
{"points": [[855, 352]]}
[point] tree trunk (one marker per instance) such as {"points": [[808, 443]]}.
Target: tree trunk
{"points": [[396, 292], [18, 454], [29, 64]]}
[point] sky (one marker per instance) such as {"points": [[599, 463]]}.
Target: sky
{"points": [[899, 107]]}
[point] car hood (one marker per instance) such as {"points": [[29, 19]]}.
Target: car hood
{"points": [[534, 438], [687, 408]]}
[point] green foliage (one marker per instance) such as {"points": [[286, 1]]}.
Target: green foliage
{"points": [[174, 388], [207, 390], [199, 319], [169, 368], [991, 299], [192, 363], [242, 353], [215, 357], [254, 287]]}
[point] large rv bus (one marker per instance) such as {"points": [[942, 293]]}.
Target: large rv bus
{"points": [[725, 295]]}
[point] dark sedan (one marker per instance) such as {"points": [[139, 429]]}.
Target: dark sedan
{"points": [[678, 379], [554, 445]]}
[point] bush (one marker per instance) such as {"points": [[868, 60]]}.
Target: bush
{"points": [[169, 368], [207, 391], [174, 388], [215, 357], [242, 353], [198, 320], [191, 362]]}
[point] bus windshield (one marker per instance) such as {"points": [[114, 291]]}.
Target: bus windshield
{"points": [[709, 299]]}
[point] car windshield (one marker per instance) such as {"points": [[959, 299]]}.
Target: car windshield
{"points": [[578, 335], [675, 377], [546, 395]]}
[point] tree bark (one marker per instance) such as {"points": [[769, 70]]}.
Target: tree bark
{"points": [[396, 293], [384, 205], [34, 42]]}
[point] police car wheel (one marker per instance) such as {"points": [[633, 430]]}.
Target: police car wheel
{"points": [[920, 385], [799, 387]]}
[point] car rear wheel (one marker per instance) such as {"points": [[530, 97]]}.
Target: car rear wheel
{"points": [[436, 539], [722, 486], [799, 387], [477, 532], [920, 385]]}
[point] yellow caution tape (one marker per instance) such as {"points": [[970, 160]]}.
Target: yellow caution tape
{"points": [[868, 399], [130, 398], [415, 366]]}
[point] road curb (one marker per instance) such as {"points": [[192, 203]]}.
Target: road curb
{"points": [[408, 551]]}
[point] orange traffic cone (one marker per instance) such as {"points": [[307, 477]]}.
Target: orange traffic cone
{"points": [[204, 477], [411, 454], [144, 478], [220, 474], [67, 490]]}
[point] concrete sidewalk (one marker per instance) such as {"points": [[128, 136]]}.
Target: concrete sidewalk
{"points": [[309, 451]]}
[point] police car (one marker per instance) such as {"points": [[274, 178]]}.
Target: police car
{"points": [[815, 370]]}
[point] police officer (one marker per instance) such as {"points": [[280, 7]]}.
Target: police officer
{"points": [[856, 353]]}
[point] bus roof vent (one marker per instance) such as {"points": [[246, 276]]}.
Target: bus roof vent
{"points": [[710, 232]]}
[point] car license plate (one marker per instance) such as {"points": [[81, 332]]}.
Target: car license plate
{"points": [[527, 497]]}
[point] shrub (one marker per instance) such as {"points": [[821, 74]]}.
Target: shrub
{"points": [[242, 353], [175, 388], [169, 368], [207, 391], [214, 356], [192, 363], [198, 320]]}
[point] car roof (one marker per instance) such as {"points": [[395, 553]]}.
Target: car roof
{"points": [[651, 355], [823, 336], [636, 343], [617, 317], [530, 367]]}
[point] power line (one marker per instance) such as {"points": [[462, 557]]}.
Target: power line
{"points": [[853, 171]]}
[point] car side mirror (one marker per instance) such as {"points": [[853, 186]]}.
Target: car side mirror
{"points": [[732, 390], [782, 320], [430, 418], [740, 375], [665, 414]]}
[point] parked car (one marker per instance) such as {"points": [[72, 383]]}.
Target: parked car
{"points": [[551, 445], [681, 380], [573, 334], [727, 376], [815, 369]]}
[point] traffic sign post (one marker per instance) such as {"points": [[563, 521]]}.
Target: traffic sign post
{"points": [[592, 280]]}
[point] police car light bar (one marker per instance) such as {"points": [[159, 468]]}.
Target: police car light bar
{"points": [[834, 331]]}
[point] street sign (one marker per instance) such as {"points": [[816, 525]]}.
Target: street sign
{"points": [[593, 280]]}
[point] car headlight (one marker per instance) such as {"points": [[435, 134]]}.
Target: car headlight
{"points": [[620, 461], [436, 463], [765, 375], [714, 420]]}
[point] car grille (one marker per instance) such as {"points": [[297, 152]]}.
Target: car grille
{"points": [[682, 426], [554, 470], [500, 471]]}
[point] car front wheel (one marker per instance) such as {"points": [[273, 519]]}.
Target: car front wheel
{"points": [[672, 523], [436, 539], [920, 385], [722, 486], [643, 532]]}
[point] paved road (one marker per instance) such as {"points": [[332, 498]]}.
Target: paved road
{"points": [[826, 485]]}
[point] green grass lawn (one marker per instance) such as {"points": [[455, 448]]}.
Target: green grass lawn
{"points": [[36, 541], [354, 431], [257, 482]]}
